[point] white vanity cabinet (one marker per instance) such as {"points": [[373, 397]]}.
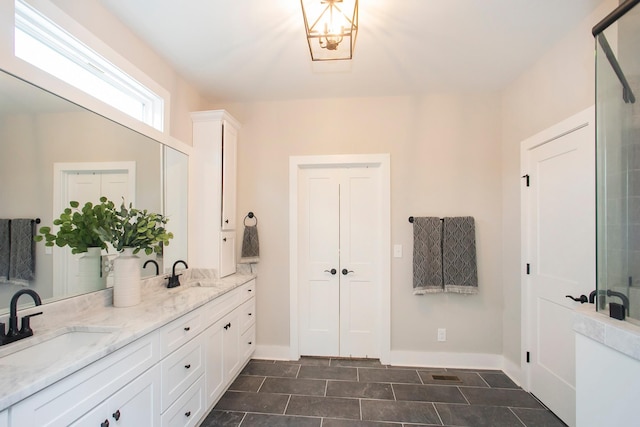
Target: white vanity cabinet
{"points": [[212, 168], [78, 399], [135, 405], [169, 377], [226, 352]]}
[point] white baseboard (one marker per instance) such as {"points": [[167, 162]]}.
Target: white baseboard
{"points": [[446, 360], [513, 371], [272, 352]]}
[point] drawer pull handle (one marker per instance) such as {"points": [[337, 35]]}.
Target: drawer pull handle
{"points": [[249, 314], [250, 343], [227, 326], [249, 290], [105, 423], [187, 414], [187, 328], [187, 366], [116, 415]]}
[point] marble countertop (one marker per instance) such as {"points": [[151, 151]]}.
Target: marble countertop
{"points": [[95, 313], [619, 335]]}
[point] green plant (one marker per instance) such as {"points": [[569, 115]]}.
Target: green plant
{"points": [[138, 229], [81, 228]]}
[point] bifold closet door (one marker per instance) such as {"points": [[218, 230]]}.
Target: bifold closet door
{"points": [[338, 287]]}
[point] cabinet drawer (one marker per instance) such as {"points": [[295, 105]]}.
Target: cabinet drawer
{"points": [[188, 409], [70, 398], [136, 405], [221, 306], [247, 344], [181, 330], [248, 290], [247, 314], [180, 370]]}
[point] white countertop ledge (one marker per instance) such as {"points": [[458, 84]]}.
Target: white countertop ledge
{"points": [[616, 334], [95, 313]]}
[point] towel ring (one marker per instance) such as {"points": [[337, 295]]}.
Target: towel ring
{"points": [[250, 215]]}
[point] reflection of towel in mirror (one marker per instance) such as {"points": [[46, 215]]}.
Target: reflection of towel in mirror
{"points": [[4, 249], [459, 268], [22, 253], [427, 255], [250, 245]]}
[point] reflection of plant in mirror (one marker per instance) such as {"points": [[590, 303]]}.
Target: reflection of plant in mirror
{"points": [[81, 228], [138, 229]]}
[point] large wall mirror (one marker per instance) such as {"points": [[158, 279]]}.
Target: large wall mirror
{"points": [[53, 151]]}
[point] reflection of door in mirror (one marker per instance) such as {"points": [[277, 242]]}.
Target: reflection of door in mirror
{"points": [[87, 182], [176, 204]]}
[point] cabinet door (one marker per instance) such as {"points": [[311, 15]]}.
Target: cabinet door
{"points": [[227, 253], [230, 346], [4, 418], [214, 368], [229, 152], [136, 405]]}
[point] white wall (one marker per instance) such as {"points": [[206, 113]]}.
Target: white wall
{"points": [[559, 84], [445, 161]]}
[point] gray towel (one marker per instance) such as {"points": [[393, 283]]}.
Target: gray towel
{"points": [[459, 268], [250, 245], [22, 258], [4, 248], [427, 255]]}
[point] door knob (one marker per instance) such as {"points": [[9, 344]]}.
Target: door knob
{"points": [[333, 271], [581, 299], [345, 271]]}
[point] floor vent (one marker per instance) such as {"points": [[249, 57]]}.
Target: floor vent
{"points": [[451, 378]]}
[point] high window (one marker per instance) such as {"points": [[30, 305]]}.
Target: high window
{"points": [[41, 42]]}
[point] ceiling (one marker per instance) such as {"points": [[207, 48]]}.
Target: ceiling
{"points": [[256, 50]]}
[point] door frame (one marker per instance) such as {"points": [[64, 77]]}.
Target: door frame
{"points": [[578, 121], [382, 161], [61, 172]]}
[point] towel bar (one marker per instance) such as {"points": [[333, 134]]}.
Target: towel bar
{"points": [[411, 219]]}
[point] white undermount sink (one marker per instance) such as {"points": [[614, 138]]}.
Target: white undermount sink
{"points": [[70, 343]]}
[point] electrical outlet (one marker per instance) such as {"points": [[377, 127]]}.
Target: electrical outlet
{"points": [[397, 251], [442, 334]]}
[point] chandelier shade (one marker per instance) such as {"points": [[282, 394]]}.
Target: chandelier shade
{"points": [[331, 27]]}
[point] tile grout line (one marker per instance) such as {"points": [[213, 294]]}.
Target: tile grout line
{"points": [[261, 384], [287, 405], [516, 415], [437, 413], [465, 397], [483, 380], [242, 420]]}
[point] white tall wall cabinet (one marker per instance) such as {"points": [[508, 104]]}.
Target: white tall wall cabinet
{"points": [[213, 191]]}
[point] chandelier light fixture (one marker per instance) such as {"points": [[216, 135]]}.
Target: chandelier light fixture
{"points": [[331, 27]]}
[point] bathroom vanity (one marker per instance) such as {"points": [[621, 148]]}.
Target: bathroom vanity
{"points": [[607, 369], [165, 362]]}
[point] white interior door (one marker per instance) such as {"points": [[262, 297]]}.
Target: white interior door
{"points": [[84, 182], [89, 186], [559, 243], [319, 284], [358, 267], [339, 239]]}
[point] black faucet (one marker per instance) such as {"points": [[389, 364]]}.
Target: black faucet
{"points": [[152, 261], [610, 293], [174, 280], [25, 331]]}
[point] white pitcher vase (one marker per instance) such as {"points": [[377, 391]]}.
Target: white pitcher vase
{"points": [[126, 279], [90, 277]]}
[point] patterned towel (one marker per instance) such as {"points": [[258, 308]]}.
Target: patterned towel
{"points": [[250, 245], [427, 255], [22, 255], [4, 249], [459, 268]]}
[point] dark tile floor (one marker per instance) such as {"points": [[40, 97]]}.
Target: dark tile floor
{"points": [[323, 392]]}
